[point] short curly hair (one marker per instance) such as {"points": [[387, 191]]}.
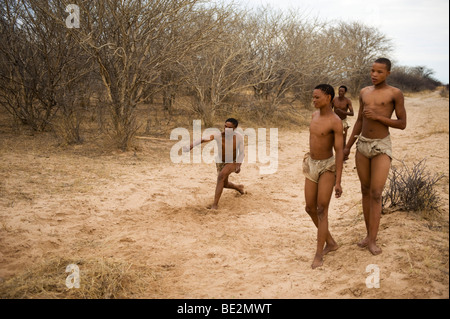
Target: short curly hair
{"points": [[327, 89]]}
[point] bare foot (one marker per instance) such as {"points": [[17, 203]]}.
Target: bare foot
{"points": [[212, 206], [363, 243], [240, 189], [331, 247], [317, 262], [374, 249]]}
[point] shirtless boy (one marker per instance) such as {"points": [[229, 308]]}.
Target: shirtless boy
{"points": [[343, 108], [231, 155], [373, 147], [322, 169]]}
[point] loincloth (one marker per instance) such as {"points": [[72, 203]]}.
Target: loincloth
{"points": [[372, 147], [345, 124], [220, 166], [312, 169]]}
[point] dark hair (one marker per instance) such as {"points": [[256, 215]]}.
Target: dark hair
{"points": [[234, 121], [384, 61], [327, 89], [344, 87]]}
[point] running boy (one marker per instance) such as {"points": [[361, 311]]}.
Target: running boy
{"points": [[231, 155], [373, 148], [322, 169]]}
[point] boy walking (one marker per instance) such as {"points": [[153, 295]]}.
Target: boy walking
{"points": [[322, 169], [343, 107], [373, 147]]}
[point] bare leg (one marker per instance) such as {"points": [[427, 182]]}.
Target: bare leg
{"points": [[221, 178], [317, 198], [311, 189], [325, 190], [380, 166], [239, 188], [372, 175], [363, 170]]}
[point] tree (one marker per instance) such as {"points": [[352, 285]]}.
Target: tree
{"points": [[132, 42], [355, 47], [221, 69], [39, 62]]}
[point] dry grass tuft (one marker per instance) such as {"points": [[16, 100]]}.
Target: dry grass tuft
{"points": [[99, 279]]}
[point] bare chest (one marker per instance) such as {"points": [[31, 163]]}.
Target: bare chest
{"points": [[379, 103], [343, 105], [320, 129]]}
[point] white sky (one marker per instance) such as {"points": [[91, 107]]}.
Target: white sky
{"points": [[419, 29]]}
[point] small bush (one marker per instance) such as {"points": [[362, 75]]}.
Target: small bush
{"points": [[411, 189]]}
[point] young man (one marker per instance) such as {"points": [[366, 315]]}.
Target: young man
{"points": [[373, 148], [343, 108], [231, 155], [322, 169]]}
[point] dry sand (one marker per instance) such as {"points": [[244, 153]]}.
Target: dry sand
{"points": [[140, 208]]}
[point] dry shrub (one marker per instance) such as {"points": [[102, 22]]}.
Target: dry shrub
{"points": [[68, 129], [99, 279], [411, 189]]}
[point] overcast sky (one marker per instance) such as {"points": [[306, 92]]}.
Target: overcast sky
{"points": [[419, 29]]}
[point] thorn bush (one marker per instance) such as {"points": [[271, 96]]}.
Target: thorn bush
{"points": [[411, 189]]}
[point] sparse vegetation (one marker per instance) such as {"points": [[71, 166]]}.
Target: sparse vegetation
{"points": [[128, 219], [411, 189], [99, 279], [179, 56], [413, 79]]}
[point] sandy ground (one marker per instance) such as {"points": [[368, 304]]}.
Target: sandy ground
{"points": [[141, 208]]}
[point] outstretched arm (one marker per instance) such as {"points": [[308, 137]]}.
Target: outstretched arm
{"points": [[200, 141], [197, 142]]}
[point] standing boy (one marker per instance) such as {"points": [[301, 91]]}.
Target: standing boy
{"points": [[322, 169], [373, 148], [343, 108]]}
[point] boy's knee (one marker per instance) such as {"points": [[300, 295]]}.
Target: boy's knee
{"points": [[309, 209], [320, 211], [376, 195], [221, 177], [365, 189]]}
